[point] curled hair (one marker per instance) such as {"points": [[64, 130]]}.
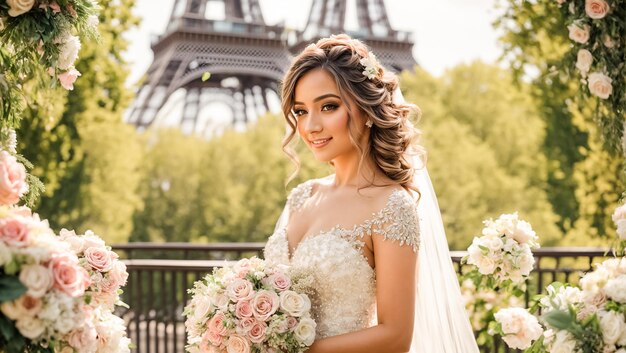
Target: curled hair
{"points": [[392, 136]]}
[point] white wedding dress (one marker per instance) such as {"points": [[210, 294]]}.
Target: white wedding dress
{"points": [[342, 284]]}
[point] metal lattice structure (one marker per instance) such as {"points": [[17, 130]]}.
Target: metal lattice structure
{"points": [[246, 58]]}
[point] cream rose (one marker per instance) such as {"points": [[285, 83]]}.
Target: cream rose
{"points": [[30, 327], [600, 85], [118, 273], [305, 331], [621, 228], [616, 289], [19, 7], [294, 304], [237, 344], [596, 9], [264, 304], [612, 325], [579, 34], [520, 327], [37, 279], [240, 289], [563, 342], [85, 339], [584, 60]]}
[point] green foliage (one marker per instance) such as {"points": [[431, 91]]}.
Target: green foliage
{"points": [[82, 150], [584, 176], [230, 188], [483, 138], [10, 288]]}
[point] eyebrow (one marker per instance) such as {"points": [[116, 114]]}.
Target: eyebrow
{"points": [[320, 98]]}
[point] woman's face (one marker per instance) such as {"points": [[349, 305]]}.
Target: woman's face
{"points": [[322, 116]]}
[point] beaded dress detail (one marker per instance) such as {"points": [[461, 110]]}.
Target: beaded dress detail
{"points": [[330, 266]]}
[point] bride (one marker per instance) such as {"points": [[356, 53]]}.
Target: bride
{"points": [[368, 240]]}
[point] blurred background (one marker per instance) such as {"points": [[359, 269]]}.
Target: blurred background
{"points": [[147, 149]]}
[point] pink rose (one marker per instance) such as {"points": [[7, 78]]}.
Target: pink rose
{"points": [[83, 339], [245, 325], [579, 34], [101, 259], [596, 9], [118, 273], [264, 304], [280, 281], [68, 78], [257, 332], [213, 337], [55, 7], [291, 322], [240, 289], [600, 85], [243, 309], [206, 346], [12, 179], [14, 232], [216, 324], [22, 211], [69, 277], [238, 344]]}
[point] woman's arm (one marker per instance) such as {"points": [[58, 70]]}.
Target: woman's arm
{"points": [[395, 296]]}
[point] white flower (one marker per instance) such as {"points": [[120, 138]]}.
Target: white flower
{"points": [[520, 328], [370, 65], [583, 62], [563, 342], [30, 327], [612, 325], [37, 279], [68, 53], [600, 85], [305, 331], [19, 7], [92, 21], [615, 289], [294, 304]]}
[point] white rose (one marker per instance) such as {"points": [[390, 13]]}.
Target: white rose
{"points": [[64, 324], [621, 228], [519, 326], [294, 304], [30, 327], [5, 254], [579, 34], [37, 279], [493, 243], [524, 233], [612, 326], [92, 240], [12, 309], [221, 302], [202, 307], [622, 339], [563, 342], [70, 45], [77, 244], [584, 60], [18, 7], [525, 263], [305, 331], [616, 289], [600, 85]]}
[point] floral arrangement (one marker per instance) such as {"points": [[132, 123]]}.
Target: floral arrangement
{"points": [[503, 254], [57, 293], [248, 307], [598, 34], [43, 30], [619, 218]]}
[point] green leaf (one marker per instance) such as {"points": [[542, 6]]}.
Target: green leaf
{"points": [[11, 288], [559, 319], [206, 76]]}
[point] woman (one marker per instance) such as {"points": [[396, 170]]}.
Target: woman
{"points": [[354, 237]]}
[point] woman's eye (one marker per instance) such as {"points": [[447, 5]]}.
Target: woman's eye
{"points": [[299, 112], [329, 107]]}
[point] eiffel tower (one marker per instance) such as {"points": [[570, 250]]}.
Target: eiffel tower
{"points": [[246, 59]]}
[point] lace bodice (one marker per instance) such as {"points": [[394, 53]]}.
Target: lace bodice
{"points": [[331, 267]]}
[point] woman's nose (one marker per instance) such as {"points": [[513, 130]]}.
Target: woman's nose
{"points": [[312, 123]]}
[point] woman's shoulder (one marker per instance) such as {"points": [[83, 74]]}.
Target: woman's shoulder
{"points": [[301, 192]]}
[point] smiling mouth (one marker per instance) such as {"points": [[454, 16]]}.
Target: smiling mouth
{"points": [[320, 142]]}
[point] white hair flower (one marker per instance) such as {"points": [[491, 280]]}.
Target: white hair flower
{"points": [[370, 65]]}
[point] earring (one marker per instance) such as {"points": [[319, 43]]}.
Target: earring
{"points": [[369, 123]]}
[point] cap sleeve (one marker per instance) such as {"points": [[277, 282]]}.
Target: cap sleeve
{"points": [[399, 221]]}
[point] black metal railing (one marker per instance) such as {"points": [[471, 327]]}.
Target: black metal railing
{"points": [[161, 274]]}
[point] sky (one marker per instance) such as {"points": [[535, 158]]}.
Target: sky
{"points": [[446, 32]]}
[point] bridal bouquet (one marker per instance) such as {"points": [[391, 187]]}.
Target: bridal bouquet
{"points": [[249, 307], [504, 251], [587, 319]]}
